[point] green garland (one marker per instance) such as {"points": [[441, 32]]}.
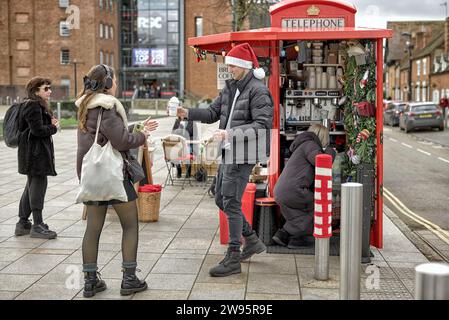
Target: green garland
{"points": [[365, 149]]}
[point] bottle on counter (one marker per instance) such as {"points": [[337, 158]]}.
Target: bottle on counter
{"points": [[312, 78]]}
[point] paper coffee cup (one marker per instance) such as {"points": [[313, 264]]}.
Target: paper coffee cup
{"points": [[173, 105]]}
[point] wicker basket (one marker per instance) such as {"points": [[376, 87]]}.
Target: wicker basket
{"points": [[149, 204]]}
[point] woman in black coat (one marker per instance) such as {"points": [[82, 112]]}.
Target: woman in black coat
{"points": [[294, 191], [36, 157]]}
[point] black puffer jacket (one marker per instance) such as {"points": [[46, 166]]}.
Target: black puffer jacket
{"points": [[253, 112], [36, 155], [295, 186]]}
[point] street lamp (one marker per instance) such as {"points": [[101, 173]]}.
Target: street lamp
{"points": [[409, 48], [124, 82], [74, 67]]}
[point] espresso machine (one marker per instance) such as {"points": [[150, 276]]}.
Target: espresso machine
{"points": [[306, 106]]}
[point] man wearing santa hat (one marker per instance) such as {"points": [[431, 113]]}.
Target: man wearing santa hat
{"points": [[245, 111]]}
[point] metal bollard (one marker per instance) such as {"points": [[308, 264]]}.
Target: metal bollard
{"points": [[323, 214], [351, 240], [432, 281]]}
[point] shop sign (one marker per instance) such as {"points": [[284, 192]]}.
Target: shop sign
{"points": [[145, 57], [223, 74], [311, 23]]}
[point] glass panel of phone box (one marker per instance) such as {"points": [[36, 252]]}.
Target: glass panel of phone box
{"points": [[311, 93]]}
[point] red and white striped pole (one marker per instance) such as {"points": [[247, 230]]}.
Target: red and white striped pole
{"points": [[323, 214]]}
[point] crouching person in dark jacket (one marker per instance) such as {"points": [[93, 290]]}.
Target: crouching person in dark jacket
{"points": [[294, 191], [245, 110], [36, 157]]}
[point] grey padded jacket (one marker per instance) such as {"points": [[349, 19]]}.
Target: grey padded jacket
{"points": [[251, 122]]}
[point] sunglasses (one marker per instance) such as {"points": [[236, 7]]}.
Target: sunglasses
{"points": [[46, 88]]}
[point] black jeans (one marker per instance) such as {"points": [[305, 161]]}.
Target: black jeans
{"points": [[33, 197], [231, 183]]}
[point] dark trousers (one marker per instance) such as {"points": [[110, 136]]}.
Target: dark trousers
{"points": [[33, 197], [231, 183], [298, 221]]}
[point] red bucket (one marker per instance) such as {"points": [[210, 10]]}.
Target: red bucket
{"points": [[247, 208]]}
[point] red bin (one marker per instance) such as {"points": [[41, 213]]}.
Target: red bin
{"points": [[247, 208]]}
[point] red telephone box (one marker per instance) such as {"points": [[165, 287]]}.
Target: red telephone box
{"points": [[319, 28]]}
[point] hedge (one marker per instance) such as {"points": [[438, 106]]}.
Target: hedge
{"points": [[69, 109]]}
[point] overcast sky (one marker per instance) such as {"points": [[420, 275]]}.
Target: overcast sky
{"points": [[376, 13]]}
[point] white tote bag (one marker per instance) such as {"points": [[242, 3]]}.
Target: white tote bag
{"points": [[101, 173]]}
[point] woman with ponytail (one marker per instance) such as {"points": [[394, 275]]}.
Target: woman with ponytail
{"points": [[98, 96]]}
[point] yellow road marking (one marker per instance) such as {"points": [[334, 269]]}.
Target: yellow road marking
{"points": [[440, 233]]}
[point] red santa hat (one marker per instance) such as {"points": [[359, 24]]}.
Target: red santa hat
{"points": [[243, 56]]}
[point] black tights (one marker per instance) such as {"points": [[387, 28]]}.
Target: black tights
{"points": [[96, 215]]}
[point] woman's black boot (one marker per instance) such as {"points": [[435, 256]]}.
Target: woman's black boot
{"points": [[130, 283], [92, 284]]}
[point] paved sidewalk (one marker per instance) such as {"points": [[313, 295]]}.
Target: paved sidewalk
{"points": [[175, 253]]}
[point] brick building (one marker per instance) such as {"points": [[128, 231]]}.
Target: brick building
{"points": [[36, 40], [201, 77], [396, 55], [439, 64], [144, 40]]}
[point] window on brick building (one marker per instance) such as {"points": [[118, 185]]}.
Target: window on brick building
{"points": [[22, 17], [424, 92], [418, 68], [100, 4], [198, 26], [65, 83], [65, 56], [436, 96], [63, 3], [106, 32], [23, 45], [111, 62], [101, 57], [424, 67], [418, 92], [111, 32], [23, 71], [64, 30], [111, 5], [101, 30]]}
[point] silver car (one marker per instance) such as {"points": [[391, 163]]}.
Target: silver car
{"points": [[421, 115]]}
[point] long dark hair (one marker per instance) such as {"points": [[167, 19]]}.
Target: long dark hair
{"points": [[33, 86], [97, 74]]}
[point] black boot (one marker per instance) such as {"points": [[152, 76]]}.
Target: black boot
{"points": [[229, 265], [42, 231], [130, 283], [23, 228], [178, 171], [253, 245], [92, 284], [281, 237]]}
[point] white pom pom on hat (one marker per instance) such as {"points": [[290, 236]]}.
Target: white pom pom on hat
{"points": [[259, 73], [243, 56]]}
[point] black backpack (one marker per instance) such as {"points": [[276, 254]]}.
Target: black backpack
{"points": [[11, 124]]}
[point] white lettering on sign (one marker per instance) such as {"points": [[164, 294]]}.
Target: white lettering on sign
{"points": [[149, 23], [223, 74], [328, 23], [158, 57]]}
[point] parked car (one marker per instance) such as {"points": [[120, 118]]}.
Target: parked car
{"points": [[421, 115], [392, 112]]}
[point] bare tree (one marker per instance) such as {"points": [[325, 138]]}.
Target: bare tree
{"points": [[241, 9]]}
